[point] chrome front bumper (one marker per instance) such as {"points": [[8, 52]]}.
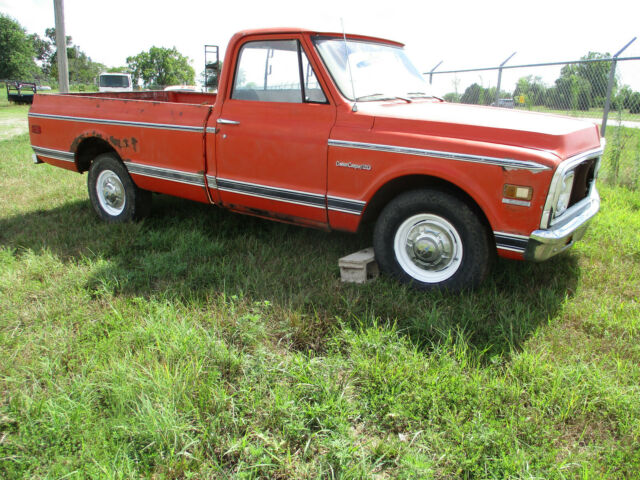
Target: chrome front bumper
{"points": [[544, 244]]}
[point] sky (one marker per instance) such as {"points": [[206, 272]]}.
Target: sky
{"points": [[460, 33]]}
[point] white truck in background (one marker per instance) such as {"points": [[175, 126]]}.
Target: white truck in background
{"points": [[115, 82]]}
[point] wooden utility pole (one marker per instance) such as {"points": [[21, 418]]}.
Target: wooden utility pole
{"points": [[61, 45]]}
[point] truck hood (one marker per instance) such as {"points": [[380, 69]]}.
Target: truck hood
{"points": [[562, 136]]}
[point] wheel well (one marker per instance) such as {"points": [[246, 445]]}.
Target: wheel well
{"points": [[89, 149], [399, 185]]}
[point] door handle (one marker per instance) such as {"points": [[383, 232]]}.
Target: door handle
{"points": [[223, 121]]}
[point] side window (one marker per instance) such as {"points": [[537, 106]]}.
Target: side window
{"points": [[275, 71], [312, 89]]}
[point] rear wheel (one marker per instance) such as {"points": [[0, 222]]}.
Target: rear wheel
{"points": [[114, 196], [432, 240]]}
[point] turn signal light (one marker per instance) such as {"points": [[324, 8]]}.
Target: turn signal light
{"points": [[517, 192], [36, 129]]}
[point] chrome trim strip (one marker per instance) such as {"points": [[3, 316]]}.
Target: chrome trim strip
{"points": [[224, 121], [511, 249], [345, 205], [342, 210], [511, 242], [510, 235], [212, 130], [103, 121], [463, 157], [61, 155], [333, 197], [160, 173], [520, 203], [211, 181], [272, 193]]}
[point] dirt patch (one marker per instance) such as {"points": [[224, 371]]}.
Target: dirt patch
{"points": [[10, 127]]}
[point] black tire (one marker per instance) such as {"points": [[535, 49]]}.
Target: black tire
{"points": [[114, 196], [432, 240]]}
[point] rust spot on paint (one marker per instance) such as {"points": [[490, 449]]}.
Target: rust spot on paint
{"points": [[76, 141], [134, 143], [115, 141]]}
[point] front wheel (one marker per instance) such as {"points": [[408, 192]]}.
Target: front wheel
{"points": [[432, 240], [114, 196]]}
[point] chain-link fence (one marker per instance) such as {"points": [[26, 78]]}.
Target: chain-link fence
{"points": [[597, 87]]}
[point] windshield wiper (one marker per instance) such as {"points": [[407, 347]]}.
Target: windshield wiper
{"points": [[423, 95], [381, 96]]}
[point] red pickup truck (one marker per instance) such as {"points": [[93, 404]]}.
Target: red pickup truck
{"points": [[331, 131]]}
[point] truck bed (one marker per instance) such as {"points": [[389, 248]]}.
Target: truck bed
{"points": [[161, 136]]}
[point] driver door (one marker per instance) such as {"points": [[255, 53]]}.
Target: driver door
{"points": [[271, 144]]}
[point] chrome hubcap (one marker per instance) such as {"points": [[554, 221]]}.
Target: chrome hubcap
{"points": [[110, 193], [428, 248]]}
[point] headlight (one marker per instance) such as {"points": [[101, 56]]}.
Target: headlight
{"points": [[565, 193]]}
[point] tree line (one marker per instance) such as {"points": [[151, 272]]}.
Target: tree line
{"points": [[32, 58], [580, 86]]}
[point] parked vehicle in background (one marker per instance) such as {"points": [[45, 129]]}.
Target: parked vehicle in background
{"points": [[333, 131], [21, 92], [115, 82], [504, 103]]}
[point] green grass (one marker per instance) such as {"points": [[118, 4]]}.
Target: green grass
{"points": [[204, 344]]}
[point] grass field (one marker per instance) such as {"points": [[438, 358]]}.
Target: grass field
{"points": [[204, 344]]}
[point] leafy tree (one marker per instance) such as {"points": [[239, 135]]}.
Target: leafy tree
{"points": [[17, 58], [634, 102], [43, 50], [161, 67], [452, 97], [474, 94], [571, 92], [584, 85], [81, 68], [532, 89], [118, 70], [623, 98]]}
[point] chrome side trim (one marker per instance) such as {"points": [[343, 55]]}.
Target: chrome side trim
{"points": [[272, 193], [160, 173], [511, 242], [224, 121], [345, 205], [104, 121], [512, 201], [212, 130], [55, 154], [510, 249], [211, 181], [462, 157]]}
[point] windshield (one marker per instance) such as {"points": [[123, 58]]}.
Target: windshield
{"points": [[380, 71], [112, 81]]}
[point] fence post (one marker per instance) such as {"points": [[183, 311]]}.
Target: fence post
{"points": [[612, 74], [500, 76], [433, 70]]}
